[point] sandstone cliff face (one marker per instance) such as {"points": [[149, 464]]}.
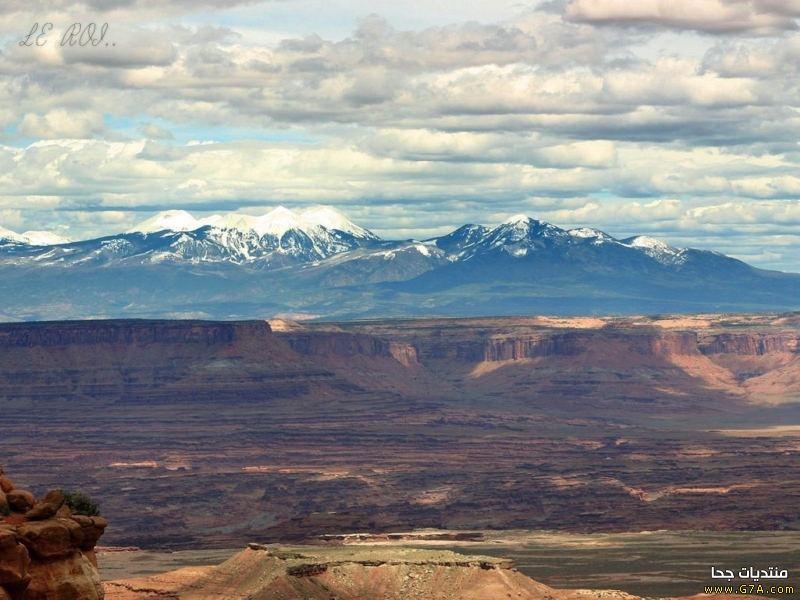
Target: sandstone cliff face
{"points": [[750, 344], [648, 343], [576, 343], [46, 552], [148, 362], [71, 333], [519, 346], [326, 343]]}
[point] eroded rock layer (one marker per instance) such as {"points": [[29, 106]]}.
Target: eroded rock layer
{"points": [[46, 552]]}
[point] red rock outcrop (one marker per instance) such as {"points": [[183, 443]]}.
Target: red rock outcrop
{"points": [[46, 553]]}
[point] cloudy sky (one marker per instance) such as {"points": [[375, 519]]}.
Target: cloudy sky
{"points": [[673, 118]]}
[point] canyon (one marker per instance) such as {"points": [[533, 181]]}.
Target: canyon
{"points": [[202, 434]]}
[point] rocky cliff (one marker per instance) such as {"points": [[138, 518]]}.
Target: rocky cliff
{"points": [[326, 343], [576, 343], [131, 332], [642, 342], [750, 344], [148, 362], [46, 551]]}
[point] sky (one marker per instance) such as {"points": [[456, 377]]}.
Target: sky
{"points": [[671, 118]]}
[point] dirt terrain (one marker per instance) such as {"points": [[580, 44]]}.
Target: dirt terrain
{"points": [[348, 574], [654, 564], [217, 433]]}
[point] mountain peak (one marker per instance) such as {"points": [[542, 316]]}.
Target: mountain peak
{"points": [[44, 238], [11, 236], [278, 221], [517, 219], [644, 241], [32, 238], [657, 249], [275, 222], [333, 219], [173, 220]]}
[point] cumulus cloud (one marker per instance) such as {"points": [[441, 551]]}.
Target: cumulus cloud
{"points": [[125, 48], [62, 123], [643, 127], [155, 132], [710, 16]]}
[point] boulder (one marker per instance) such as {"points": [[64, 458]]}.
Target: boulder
{"points": [[40, 548], [14, 560], [92, 527], [47, 507], [46, 539], [5, 484], [20, 500], [64, 512], [73, 578], [76, 533], [4, 507]]}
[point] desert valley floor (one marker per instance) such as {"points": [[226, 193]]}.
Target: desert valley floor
{"points": [[650, 564]]}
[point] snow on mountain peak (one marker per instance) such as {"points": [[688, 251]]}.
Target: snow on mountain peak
{"points": [[173, 220], [44, 238], [32, 238], [643, 241], [11, 236], [657, 249], [586, 232], [330, 218], [276, 222], [516, 220]]}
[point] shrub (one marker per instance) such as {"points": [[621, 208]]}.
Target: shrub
{"points": [[81, 504]]}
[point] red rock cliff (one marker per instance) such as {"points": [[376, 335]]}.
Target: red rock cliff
{"points": [[325, 343], [46, 552], [548, 343], [750, 344]]}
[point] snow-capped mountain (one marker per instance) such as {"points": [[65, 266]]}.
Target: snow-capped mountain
{"points": [[317, 261], [278, 238], [275, 222], [168, 220], [274, 237], [657, 249], [31, 238]]}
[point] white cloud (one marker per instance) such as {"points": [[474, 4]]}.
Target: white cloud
{"points": [[619, 127], [62, 123], [711, 16]]}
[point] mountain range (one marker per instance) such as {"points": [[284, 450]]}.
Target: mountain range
{"points": [[317, 263]]}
